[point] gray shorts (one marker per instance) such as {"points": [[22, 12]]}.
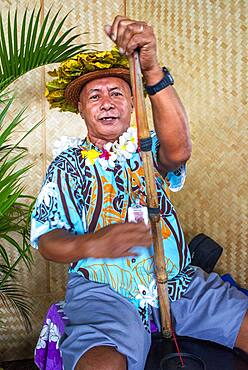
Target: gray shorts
{"points": [[100, 316], [210, 309]]}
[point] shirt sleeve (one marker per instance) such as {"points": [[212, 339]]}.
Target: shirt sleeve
{"points": [[175, 178], [58, 206]]}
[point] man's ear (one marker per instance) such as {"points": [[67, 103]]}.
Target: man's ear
{"points": [[80, 109]]}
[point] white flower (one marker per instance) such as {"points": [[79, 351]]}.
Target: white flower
{"points": [[63, 143], [127, 155], [54, 334], [44, 335], [127, 144], [122, 140], [131, 147], [110, 162], [108, 146], [112, 159], [124, 153], [49, 332], [120, 150], [148, 295], [132, 132]]}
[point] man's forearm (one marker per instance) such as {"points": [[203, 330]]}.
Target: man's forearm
{"points": [[112, 241], [171, 126], [61, 246], [170, 123]]}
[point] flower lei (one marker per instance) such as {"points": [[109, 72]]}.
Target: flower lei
{"points": [[120, 150]]}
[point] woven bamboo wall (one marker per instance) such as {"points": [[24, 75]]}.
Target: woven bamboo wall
{"points": [[204, 43]]}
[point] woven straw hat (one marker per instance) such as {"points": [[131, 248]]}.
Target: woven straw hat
{"points": [[63, 91], [73, 90]]}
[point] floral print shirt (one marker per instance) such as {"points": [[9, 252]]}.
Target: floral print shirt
{"points": [[83, 196]]}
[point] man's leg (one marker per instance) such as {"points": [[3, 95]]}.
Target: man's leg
{"points": [[242, 339], [212, 310], [102, 357], [104, 330]]}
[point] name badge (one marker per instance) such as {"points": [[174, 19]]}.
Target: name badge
{"points": [[137, 213]]}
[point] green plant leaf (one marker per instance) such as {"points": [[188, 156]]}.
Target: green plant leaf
{"points": [[18, 301], [4, 53], [22, 45], [5, 258], [14, 212], [40, 43]]}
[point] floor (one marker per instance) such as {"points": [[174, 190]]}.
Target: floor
{"points": [[18, 365]]}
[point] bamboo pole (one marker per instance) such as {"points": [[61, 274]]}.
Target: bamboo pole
{"points": [[152, 199]]}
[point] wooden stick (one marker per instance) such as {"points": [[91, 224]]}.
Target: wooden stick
{"points": [[152, 199]]}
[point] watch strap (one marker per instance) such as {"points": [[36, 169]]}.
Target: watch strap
{"points": [[167, 80]]}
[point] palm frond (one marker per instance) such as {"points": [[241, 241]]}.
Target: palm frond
{"points": [[38, 45], [4, 96], [17, 300], [14, 213], [14, 204], [5, 259]]}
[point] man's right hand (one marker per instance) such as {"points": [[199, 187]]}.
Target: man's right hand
{"points": [[117, 240]]}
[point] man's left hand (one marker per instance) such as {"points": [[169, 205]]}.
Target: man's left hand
{"points": [[129, 35]]}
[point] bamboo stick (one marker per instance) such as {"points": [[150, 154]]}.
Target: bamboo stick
{"points": [[153, 208]]}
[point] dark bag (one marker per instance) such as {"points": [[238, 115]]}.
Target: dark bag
{"points": [[205, 252]]}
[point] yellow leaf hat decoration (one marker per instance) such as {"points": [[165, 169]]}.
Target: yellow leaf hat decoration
{"points": [[63, 92]]}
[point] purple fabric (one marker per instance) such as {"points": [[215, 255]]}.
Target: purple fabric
{"points": [[153, 326], [47, 354]]}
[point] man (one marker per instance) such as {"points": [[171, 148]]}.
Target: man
{"points": [[81, 218]]}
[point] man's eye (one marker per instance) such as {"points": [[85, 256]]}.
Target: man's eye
{"points": [[116, 93], [94, 97]]}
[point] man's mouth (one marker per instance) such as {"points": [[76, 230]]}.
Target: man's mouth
{"points": [[108, 119]]}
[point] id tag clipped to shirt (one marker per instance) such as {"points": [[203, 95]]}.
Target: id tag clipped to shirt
{"points": [[137, 213]]}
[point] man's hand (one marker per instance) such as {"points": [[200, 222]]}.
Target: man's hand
{"points": [[129, 35], [117, 240], [112, 241]]}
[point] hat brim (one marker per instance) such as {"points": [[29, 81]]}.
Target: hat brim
{"points": [[73, 90]]}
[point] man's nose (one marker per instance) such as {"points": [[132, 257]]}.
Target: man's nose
{"points": [[107, 103]]}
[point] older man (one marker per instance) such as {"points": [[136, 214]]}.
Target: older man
{"points": [[81, 217]]}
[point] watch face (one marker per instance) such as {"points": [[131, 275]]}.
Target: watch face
{"points": [[170, 78], [165, 70]]}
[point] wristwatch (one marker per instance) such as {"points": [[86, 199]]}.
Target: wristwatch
{"points": [[166, 81]]}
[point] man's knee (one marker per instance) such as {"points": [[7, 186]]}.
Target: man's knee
{"points": [[102, 358]]}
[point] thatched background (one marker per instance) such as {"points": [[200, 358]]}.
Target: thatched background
{"points": [[205, 45]]}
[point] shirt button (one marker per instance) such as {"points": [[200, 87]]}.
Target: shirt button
{"points": [[133, 260]]}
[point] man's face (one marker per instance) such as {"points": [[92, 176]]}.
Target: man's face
{"points": [[106, 106]]}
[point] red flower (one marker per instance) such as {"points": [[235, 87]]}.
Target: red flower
{"points": [[105, 154]]}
